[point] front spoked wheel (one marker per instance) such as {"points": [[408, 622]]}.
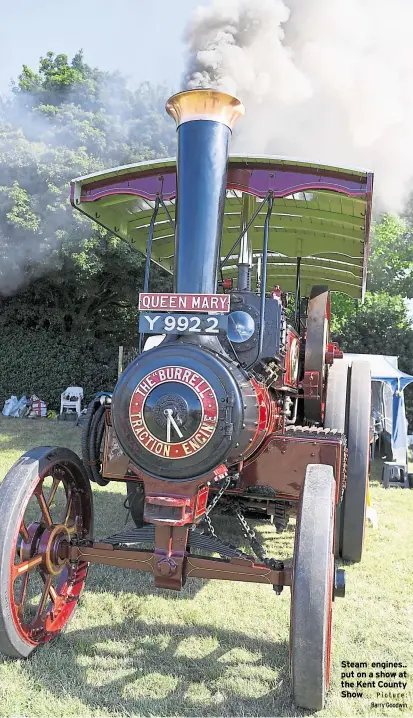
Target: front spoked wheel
{"points": [[46, 502]]}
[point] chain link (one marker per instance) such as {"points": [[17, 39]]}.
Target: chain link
{"points": [[211, 533], [255, 544], [210, 530], [217, 497], [247, 530]]}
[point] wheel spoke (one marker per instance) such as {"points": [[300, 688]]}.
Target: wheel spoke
{"points": [[72, 528], [45, 595], [68, 510], [23, 531], [51, 589], [25, 566], [53, 594], [45, 510], [23, 591], [53, 490]]}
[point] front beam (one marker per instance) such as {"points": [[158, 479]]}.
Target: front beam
{"points": [[237, 569]]}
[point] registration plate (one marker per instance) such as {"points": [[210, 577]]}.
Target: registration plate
{"points": [[182, 323], [156, 302]]}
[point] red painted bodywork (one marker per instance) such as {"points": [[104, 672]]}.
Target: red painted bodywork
{"points": [[175, 510], [269, 417], [285, 380], [333, 352], [281, 461]]}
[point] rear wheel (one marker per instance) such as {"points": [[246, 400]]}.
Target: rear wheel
{"points": [[46, 502], [312, 589], [336, 397], [353, 509], [335, 418]]}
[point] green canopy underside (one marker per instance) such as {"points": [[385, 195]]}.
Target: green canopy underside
{"points": [[326, 229]]}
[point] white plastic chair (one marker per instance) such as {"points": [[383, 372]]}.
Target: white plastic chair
{"points": [[71, 399]]}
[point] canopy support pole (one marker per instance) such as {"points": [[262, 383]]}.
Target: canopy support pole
{"points": [[297, 317], [263, 279], [148, 256], [245, 248], [246, 228]]}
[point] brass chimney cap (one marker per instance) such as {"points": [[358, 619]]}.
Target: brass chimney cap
{"points": [[205, 104]]}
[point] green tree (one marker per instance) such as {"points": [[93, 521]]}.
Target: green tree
{"points": [[390, 268], [66, 120], [58, 81], [381, 326], [342, 307]]}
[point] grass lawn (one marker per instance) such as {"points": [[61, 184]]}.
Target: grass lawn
{"points": [[216, 648]]}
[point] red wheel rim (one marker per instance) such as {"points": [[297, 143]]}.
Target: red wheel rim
{"points": [[38, 550]]}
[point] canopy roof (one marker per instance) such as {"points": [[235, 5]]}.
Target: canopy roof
{"points": [[321, 214]]}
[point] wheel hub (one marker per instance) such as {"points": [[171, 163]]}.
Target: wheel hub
{"points": [[48, 544], [339, 588]]}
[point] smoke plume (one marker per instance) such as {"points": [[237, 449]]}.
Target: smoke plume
{"points": [[324, 80]]}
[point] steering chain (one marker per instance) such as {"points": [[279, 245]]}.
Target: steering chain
{"points": [[247, 530]]}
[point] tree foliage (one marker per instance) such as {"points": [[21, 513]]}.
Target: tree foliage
{"points": [[59, 271], [45, 363], [380, 325], [391, 257]]}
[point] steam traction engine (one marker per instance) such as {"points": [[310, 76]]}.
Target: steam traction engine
{"points": [[242, 400]]}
